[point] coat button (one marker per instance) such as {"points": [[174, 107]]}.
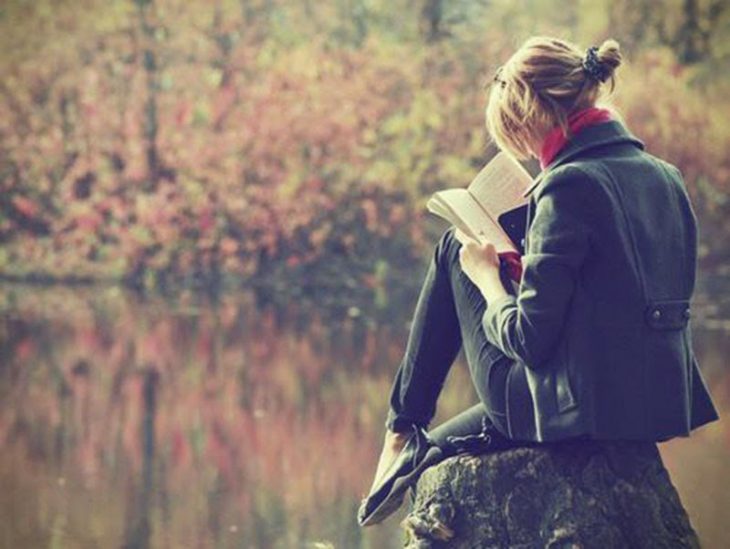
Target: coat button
{"points": [[656, 314]]}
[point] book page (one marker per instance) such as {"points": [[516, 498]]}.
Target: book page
{"points": [[460, 208], [437, 206], [499, 186], [492, 234]]}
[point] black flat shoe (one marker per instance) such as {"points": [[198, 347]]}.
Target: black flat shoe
{"points": [[419, 453]]}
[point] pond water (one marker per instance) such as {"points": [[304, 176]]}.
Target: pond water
{"points": [[148, 422]]}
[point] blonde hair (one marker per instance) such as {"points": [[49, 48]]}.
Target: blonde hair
{"points": [[541, 85]]}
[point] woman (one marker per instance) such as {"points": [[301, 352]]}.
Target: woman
{"points": [[596, 343]]}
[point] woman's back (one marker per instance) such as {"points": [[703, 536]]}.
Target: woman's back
{"points": [[645, 233], [657, 216], [604, 303]]}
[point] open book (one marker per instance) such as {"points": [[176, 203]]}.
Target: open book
{"points": [[491, 208]]}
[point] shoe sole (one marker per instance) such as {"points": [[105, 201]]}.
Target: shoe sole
{"points": [[397, 494]]}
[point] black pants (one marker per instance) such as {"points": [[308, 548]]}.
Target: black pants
{"points": [[448, 315]]}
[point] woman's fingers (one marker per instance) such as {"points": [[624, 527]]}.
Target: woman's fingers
{"points": [[478, 260]]}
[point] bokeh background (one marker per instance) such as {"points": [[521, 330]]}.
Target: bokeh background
{"points": [[213, 232]]}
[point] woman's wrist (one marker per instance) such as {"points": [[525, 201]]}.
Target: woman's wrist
{"points": [[491, 287]]}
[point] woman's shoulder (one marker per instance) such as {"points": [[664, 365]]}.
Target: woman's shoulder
{"points": [[576, 177], [672, 171], [587, 173]]}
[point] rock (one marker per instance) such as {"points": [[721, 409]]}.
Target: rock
{"points": [[581, 493]]}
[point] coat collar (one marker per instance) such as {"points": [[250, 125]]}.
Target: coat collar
{"points": [[605, 133]]}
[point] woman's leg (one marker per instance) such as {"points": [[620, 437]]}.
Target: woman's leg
{"points": [[448, 315], [489, 367], [467, 423], [433, 343]]}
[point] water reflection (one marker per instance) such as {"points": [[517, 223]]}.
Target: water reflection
{"points": [[153, 423]]}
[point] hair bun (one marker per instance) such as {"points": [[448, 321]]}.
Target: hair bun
{"points": [[609, 55]]}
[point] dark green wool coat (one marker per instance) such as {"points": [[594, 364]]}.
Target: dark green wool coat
{"points": [[601, 321]]}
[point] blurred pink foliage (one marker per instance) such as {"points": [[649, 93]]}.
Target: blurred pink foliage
{"points": [[161, 142]]}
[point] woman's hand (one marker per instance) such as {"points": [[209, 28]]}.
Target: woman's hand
{"points": [[480, 263]]}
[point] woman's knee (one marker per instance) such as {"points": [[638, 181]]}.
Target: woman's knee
{"points": [[447, 247]]}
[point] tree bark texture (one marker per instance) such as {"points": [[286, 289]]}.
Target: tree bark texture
{"points": [[577, 494]]}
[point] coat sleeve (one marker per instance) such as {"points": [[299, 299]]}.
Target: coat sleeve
{"points": [[527, 327]]}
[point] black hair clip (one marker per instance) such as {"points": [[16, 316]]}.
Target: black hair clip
{"points": [[593, 66]]}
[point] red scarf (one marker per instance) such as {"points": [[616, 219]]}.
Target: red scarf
{"points": [[554, 141]]}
